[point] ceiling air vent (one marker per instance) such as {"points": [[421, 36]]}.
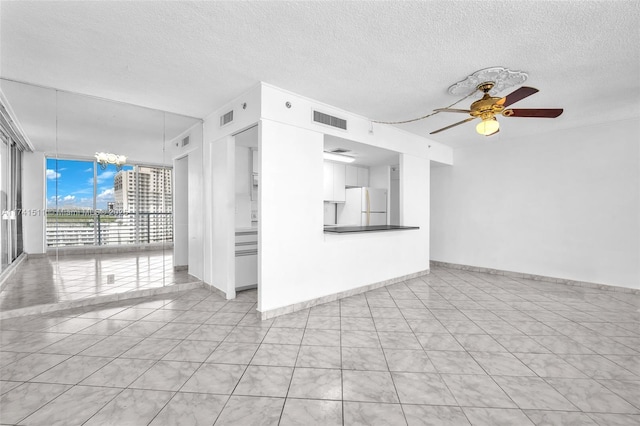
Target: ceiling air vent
{"points": [[226, 118], [185, 141], [329, 120]]}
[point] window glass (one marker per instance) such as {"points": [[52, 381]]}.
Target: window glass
{"points": [[88, 204], [70, 202]]}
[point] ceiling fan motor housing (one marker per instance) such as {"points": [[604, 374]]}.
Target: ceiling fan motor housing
{"points": [[487, 107]]}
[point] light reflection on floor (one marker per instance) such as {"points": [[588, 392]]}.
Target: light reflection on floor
{"points": [[48, 280]]}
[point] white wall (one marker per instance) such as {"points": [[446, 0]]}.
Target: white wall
{"points": [[246, 142], [242, 186], [383, 136], [196, 203], [563, 204], [379, 177], [181, 211], [394, 195], [219, 188], [33, 197], [193, 156], [223, 228], [299, 261]]}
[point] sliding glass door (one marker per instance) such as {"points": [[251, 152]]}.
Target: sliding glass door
{"points": [[10, 201]]}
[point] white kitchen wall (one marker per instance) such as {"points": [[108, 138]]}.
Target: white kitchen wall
{"points": [[563, 204], [299, 261], [243, 170], [33, 199], [379, 177], [242, 187], [330, 213]]}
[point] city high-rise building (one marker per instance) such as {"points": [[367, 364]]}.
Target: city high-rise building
{"points": [[152, 193]]}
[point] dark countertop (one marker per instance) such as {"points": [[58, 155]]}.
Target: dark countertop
{"points": [[372, 228]]}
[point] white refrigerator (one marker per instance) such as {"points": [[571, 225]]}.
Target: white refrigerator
{"points": [[363, 207]]}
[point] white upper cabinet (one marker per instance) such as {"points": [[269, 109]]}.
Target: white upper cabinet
{"points": [[357, 176], [334, 182]]}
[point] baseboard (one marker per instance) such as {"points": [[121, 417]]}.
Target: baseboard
{"points": [[11, 269], [264, 315], [98, 300], [36, 255], [247, 287], [180, 268], [116, 249], [535, 277], [214, 289]]}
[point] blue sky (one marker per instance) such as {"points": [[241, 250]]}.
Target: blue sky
{"points": [[70, 182]]}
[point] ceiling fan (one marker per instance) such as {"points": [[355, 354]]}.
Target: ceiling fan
{"points": [[488, 107]]}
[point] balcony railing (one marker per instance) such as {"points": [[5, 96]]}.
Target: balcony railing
{"points": [[78, 229]]}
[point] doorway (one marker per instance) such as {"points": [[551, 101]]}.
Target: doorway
{"points": [[247, 179]]}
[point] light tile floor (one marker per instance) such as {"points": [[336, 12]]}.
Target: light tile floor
{"points": [[47, 280], [450, 348]]}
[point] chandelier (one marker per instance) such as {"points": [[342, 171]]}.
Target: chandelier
{"points": [[105, 158]]}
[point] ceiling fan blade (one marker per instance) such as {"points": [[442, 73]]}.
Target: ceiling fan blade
{"points": [[517, 95], [453, 125], [467, 111], [537, 112]]}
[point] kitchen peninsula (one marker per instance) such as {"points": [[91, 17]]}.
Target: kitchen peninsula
{"points": [[299, 264], [370, 228]]}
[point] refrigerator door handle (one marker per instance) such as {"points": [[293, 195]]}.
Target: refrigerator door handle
{"points": [[368, 206]]}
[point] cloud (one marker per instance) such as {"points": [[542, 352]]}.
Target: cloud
{"points": [[103, 177], [51, 201], [69, 202], [107, 194], [52, 174], [106, 175], [90, 169], [83, 191]]}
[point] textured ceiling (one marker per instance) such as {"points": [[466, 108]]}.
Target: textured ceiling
{"points": [[383, 60]]}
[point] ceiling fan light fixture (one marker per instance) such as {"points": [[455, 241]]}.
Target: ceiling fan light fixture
{"points": [[488, 127]]}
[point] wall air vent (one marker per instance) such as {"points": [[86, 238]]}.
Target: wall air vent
{"points": [[185, 141], [226, 118], [329, 120]]}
